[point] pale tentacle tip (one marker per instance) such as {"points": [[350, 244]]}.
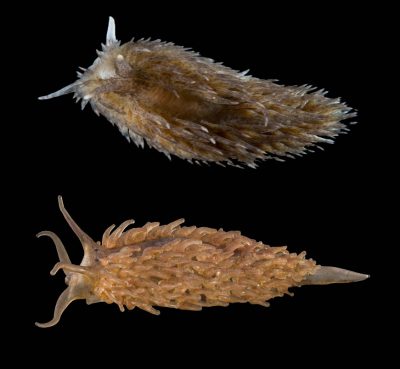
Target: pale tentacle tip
{"points": [[55, 269], [60, 201], [48, 324], [44, 325], [41, 234]]}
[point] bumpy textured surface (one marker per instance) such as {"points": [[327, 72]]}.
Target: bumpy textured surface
{"points": [[173, 266], [190, 268], [181, 267], [191, 107]]}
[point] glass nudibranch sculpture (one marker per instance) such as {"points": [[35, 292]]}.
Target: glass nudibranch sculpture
{"points": [[181, 267], [183, 104]]}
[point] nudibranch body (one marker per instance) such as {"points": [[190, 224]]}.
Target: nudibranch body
{"points": [[183, 104], [181, 267]]}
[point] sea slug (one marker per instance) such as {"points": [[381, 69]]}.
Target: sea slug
{"points": [[181, 267], [183, 104]]}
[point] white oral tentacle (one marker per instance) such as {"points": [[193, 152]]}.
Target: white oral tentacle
{"points": [[73, 87]]}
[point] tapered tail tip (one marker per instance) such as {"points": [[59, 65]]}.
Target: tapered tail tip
{"points": [[329, 275]]}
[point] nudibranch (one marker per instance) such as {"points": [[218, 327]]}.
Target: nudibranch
{"points": [[183, 104], [181, 267]]}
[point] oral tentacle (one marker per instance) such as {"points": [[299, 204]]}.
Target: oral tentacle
{"points": [[61, 251], [62, 303], [73, 87], [68, 267]]}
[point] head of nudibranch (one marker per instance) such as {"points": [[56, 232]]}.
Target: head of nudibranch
{"points": [[79, 278], [181, 267], [103, 75]]}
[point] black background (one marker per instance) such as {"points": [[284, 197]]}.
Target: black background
{"points": [[323, 203]]}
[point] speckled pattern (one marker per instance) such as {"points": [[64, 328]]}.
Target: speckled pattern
{"points": [[186, 105]]}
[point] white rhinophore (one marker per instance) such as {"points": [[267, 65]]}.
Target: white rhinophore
{"points": [[111, 37]]}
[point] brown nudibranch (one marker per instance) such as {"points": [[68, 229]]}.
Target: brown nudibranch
{"points": [[183, 104], [181, 267]]}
